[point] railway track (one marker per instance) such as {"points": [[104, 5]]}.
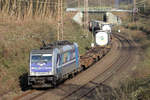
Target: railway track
{"points": [[121, 61], [85, 87]]}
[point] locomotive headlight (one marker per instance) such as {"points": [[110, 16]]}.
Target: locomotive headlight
{"points": [[32, 73], [33, 68]]}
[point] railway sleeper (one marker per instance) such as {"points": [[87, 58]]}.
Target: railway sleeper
{"points": [[95, 59]]}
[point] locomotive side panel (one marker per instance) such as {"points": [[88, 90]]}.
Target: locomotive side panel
{"points": [[69, 59]]}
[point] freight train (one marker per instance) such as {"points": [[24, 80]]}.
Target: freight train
{"points": [[53, 63]]}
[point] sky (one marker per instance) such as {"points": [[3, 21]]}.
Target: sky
{"points": [[117, 2]]}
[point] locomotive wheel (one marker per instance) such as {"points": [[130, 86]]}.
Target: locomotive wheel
{"points": [[95, 59], [83, 67], [54, 83], [75, 73], [71, 76], [98, 58]]}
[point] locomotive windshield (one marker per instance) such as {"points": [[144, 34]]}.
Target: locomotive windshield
{"points": [[43, 60], [37, 58]]}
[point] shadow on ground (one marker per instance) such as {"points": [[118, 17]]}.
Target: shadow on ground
{"points": [[23, 80]]}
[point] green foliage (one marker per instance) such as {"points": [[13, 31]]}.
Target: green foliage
{"points": [[75, 33], [136, 89]]}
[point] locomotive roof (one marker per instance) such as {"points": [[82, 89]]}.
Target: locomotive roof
{"points": [[41, 51], [57, 44], [49, 47]]}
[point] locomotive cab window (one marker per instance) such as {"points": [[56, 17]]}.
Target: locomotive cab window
{"points": [[42, 59]]}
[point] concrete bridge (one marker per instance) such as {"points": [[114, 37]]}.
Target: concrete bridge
{"points": [[98, 10]]}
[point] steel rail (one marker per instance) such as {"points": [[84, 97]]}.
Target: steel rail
{"points": [[121, 60], [128, 58]]}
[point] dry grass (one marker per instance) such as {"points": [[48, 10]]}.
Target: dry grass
{"points": [[23, 9], [16, 42]]}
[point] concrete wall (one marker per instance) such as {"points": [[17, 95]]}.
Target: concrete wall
{"points": [[113, 19]]}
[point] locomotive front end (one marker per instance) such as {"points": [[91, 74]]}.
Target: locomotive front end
{"points": [[41, 69]]}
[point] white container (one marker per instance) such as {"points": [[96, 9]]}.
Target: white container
{"points": [[101, 38], [106, 27]]}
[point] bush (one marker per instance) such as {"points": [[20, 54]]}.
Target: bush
{"points": [[135, 89]]}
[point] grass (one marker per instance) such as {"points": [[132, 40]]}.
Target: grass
{"points": [[135, 89]]}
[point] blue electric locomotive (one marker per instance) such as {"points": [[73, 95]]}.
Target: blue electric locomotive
{"points": [[53, 63]]}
